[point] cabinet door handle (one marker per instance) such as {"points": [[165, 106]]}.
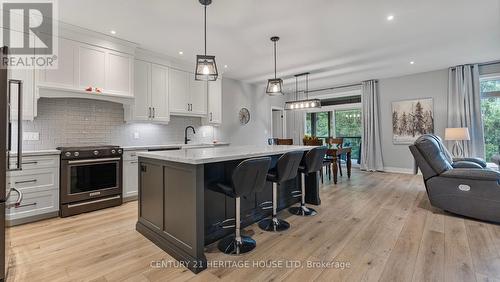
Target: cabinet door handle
{"points": [[211, 118], [149, 114], [25, 181], [154, 112], [188, 107]]}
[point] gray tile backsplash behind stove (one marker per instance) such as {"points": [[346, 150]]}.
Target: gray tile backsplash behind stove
{"points": [[65, 122]]}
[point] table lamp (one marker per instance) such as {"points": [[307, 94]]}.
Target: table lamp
{"points": [[457, 134]]}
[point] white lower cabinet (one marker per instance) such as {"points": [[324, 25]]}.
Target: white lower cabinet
{"points": [[130, 175], [39, 184]]}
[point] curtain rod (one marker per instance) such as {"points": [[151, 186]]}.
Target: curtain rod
{"points": [[490, 63]]}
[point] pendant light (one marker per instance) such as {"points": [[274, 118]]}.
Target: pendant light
{"points": [[275, 85], [302, 104], [206, 68]]}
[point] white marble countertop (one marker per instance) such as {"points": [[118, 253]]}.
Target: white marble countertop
{"points": [[221, 154], [38, 153], [168, 146]]}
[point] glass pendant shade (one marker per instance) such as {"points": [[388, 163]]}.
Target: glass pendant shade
{"points": [[303, 104], [206, 68], [274, 86]]}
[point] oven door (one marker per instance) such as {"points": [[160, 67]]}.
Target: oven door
{"points": [[88, 179]]}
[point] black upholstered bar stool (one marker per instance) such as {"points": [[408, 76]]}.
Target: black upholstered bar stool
{"points": [[312, 162], [285, 169], [248, 177]]}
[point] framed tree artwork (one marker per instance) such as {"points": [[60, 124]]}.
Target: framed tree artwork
{"points": [[412, 119]]}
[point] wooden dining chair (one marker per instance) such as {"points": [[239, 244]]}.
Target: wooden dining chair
{"points": [[339, 141]]}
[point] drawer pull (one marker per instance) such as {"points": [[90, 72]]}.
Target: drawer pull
{"points": [[25, 205], [26, 181], [33, 162], [134, 162], [133, 155]]}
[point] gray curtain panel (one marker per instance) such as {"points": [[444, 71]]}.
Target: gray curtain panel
{"points": [[371, 146], [464, 106]]}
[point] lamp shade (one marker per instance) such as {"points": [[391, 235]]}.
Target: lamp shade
{"points": [[456, 134], [206, 68], [274, 86]]}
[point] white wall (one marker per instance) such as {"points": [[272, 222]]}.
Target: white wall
{"points": [[423, 85], [236, 95]]}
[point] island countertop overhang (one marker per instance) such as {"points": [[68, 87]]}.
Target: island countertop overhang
{"points": [[221, 154]]}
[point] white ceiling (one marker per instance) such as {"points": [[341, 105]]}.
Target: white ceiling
{"points": [[338, 41]]}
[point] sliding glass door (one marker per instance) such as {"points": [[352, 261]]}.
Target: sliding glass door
{"points": [[337, 121], [490, 106]]}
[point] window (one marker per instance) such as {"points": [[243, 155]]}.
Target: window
{"points": [[490, 107], [344, 123]]}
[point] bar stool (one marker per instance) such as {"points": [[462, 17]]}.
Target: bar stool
{"points": [[285, 169], [312, 162], [248, 177]]}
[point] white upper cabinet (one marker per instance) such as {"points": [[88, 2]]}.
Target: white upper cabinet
{"points": [[142, 90], [119, 73], [214, 115], [159, 93], [151, 93], [64, 76], [91, 70], [198, 96], [82, 65], [178, 91], [188, 97]]}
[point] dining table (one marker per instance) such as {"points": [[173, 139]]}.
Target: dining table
{"points": [[334, 153]]}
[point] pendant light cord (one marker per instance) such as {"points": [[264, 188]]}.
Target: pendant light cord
{"points": [[307, 86], [274, 59], [205, 26]]}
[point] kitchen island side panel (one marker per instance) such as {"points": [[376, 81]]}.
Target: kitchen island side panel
{"points": [[181, 209]]}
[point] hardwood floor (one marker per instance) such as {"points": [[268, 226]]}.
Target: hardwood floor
{"points": [[381, 225]]}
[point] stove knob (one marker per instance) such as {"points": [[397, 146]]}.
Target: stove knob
{"points": [[119, 151], [77, 154], [68, 154], [113, 151], [96, 153]]}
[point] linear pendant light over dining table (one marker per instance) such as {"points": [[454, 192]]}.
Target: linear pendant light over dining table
{"points": [[206, 68], [302, 104], [274, 85]]}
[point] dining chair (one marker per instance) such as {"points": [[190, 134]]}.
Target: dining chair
{"points": [[339, 141]]}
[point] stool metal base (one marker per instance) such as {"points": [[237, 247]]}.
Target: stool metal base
{"points": [[274, 224], [302, 211], [231, 246]]}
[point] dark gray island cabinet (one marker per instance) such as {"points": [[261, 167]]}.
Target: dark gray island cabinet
{"points": [[181, 215]]}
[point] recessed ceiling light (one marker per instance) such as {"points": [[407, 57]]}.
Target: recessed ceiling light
{"points": [[181, 53], [225, 66], [113, 32], [412, 63], [390, 17]]}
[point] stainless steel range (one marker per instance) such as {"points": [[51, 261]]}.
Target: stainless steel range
{"points": [[91, 178]]}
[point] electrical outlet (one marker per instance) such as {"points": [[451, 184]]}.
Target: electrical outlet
{"points": [[136, 135], [31, 136]]}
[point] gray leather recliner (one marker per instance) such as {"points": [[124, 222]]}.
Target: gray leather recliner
{"points": [[463, 186]]}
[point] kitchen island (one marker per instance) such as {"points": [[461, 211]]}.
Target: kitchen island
{"points": [[181, 215]]}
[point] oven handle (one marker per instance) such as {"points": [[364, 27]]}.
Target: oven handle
{"points": [[94, 201], [94, 161]]}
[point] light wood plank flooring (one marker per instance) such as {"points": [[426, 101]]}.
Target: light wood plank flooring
{"points": [[380, 223]]}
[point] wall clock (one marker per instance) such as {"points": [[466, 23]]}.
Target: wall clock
{"points": [[244, 116]]}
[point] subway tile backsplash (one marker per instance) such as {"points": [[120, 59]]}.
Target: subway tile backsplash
{"points": [[82, 122]]}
